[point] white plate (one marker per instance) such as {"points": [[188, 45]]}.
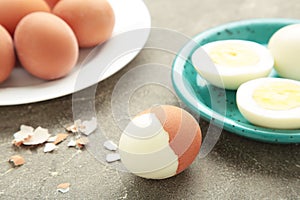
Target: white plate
{"points": [[22, 88]]}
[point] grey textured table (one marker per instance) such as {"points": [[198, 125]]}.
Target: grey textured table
{"points": [[237, 168]]}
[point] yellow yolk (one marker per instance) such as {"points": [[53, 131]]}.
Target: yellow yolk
{"points": [[278, 96], [233, 55]]}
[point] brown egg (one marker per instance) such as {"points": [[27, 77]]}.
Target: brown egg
{"points": [[7, 54], [46, 46], [91, 20], [12, 11], [52, 3]]}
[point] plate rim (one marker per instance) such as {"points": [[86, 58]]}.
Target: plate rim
{"points": [[12, 96], [250, 131]]}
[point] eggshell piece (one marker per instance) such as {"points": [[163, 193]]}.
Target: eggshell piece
{"points": [[7, 54], [17, 160], [12, 11], [285, 47], [46, 46], [91, 20]]}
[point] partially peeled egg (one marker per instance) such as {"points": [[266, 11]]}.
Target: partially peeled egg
{"points": [[160, 143]]}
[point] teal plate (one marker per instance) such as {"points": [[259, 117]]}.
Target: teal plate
{"points": [[218, 105]]}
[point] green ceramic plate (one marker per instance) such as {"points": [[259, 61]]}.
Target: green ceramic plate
{"points": [[218, 105]]}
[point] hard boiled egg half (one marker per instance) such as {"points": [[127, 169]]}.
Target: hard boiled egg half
{"points": [[270, 102], [233, 62]]}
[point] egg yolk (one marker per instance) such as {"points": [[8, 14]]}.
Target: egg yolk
{"points": [[278, 96], [233, 55]]}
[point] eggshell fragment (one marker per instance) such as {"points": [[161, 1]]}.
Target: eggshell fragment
{"points": [[112, 157], [160, 143], [91, 20], [12, 11], [110, 145], [49, 147], [88, 127], [17, 160], [7, 54], [60, 137], [24, 134], [46, 46], [72, 143], [81, 142], [63, 187], [39, 136]]}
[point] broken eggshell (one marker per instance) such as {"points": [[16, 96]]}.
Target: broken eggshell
{"points": [[49, 147], [40, 135], [28, 136], [112, 157], [85, 127], [17, 160], [63, 187], [110, 145]]}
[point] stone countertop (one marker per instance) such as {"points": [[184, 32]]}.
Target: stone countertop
{"points": [[236, 168]]}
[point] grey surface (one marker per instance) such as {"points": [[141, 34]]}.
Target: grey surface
{"points": [[237, 168]]}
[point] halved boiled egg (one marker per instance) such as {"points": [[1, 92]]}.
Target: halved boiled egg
{"points": [[270, 102], [235, 62]]}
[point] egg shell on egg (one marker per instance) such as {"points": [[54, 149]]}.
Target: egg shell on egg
{"points": [[91, 20], [160, 142], [46, 46], [7, 54], [12, 11]]}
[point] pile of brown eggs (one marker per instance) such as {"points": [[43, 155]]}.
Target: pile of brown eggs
{"points": [[45, 35]]}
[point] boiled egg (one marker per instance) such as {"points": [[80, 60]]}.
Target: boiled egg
{"points": [[12, 11], [160, 142], [46, 46], [7, 54], [91, 20], [232, 62], [270, 102], [285, 47]]}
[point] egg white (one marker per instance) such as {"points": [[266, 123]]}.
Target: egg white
{"points": [[144, 148], [285, 47], [232, 77], [258, 115]]}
